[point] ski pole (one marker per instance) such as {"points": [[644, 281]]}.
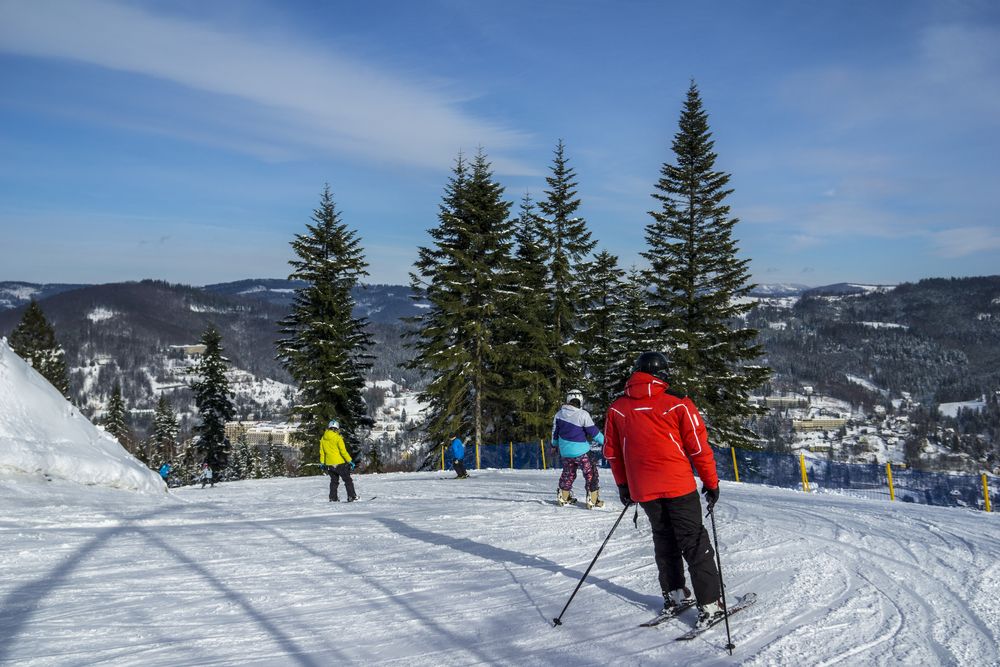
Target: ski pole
{"points": [[557, 621], [722, 585]]}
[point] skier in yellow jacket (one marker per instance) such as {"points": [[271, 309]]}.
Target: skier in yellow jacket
{"points": [[336, 462]]}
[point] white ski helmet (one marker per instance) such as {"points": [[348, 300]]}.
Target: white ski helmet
{"points": [[334, 424], [575, 395]]}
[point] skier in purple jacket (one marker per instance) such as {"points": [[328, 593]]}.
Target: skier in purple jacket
{"points": [[572, 430]]}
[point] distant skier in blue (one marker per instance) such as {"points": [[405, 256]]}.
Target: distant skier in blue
{"points": [[457, 451], [572, 429], [165, 471]]}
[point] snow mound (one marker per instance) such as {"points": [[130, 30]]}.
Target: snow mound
{"points": [[42, 434]]}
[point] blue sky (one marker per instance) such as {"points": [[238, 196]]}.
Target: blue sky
{"points": [[189, 140]]}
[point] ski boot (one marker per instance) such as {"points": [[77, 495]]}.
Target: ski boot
{"points": [[565, 498], [710, 614], [593, 500], [677, 599]]}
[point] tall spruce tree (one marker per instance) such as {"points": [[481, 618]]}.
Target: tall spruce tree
{"points": [[214, 401], [246, 461], [461, 276], [274, 461], [568, 245], [116, 418], [375, 462], [632, 333], [601, 292], [163, 442], [526, 340], [698, 302], [325, 347], [34, 340]]}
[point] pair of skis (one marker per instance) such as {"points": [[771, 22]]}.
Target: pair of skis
{"points": [[741, 604]]}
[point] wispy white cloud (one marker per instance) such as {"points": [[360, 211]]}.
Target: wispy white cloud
{"points": [[833, 218], [965, 241], [949, 72], [295, 95]]}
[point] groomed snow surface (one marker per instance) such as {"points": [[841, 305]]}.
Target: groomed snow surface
{"points": [[437, 571]]}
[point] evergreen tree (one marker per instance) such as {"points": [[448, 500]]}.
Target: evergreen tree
{"points": [[187, 464], [568, 244], [461, 277], [274, 462], [116, 418], [239, 461], [246, 461], [438, 279], [631, 333], [527, 344], [325, 347], [163, 442], [258, 469], [375, 463], [699, 285], [34, 340], [214, 401], [601, 293]]}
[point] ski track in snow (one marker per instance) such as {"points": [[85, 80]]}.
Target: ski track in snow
{"points": [[438, 572]]}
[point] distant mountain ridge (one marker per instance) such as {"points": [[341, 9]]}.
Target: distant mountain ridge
{"points": [[845, 289], [778, 290], [937, 339], [131, 333], [380, 303], [15, 294]]}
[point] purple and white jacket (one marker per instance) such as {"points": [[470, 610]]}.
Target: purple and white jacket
{"points": [[572, 429]]}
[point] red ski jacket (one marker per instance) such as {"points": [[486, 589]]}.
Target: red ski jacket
{"points": [[652, 437]]}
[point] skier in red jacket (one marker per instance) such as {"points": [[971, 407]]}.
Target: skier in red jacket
{"points": [[652, 436]]}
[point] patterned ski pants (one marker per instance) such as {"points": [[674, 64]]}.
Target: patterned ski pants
{"points": [[586, 466]]}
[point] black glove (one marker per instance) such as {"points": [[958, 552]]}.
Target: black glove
{"points": [[624, 495], [711, 496]]}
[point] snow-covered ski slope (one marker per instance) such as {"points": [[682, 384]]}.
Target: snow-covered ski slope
{"points": [[443, 572]]}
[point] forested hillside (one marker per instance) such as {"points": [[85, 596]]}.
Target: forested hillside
{"points": [[938, 339]]}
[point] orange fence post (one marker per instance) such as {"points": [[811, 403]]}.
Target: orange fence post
{"points": [[986, 493], [442, 457], [736, 468], [888, 473], [805, 477], [511, 454], [541, 446], [477, 456]]}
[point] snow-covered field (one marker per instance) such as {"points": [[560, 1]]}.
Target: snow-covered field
{"points": [[436, 571]]}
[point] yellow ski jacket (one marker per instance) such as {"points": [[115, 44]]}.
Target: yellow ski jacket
{"points": [[331, 449]]}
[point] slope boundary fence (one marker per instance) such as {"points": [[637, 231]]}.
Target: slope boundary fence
{"points": [[793, 471]]}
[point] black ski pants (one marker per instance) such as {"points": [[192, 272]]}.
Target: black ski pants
{"points": [[678, 532], [459, 467], [337, 473]]}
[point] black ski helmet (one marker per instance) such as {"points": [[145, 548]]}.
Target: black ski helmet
{"points": [[654, 363]]}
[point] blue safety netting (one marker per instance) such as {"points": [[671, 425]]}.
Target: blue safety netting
{"points": [[783, 470], [868, 480]]}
